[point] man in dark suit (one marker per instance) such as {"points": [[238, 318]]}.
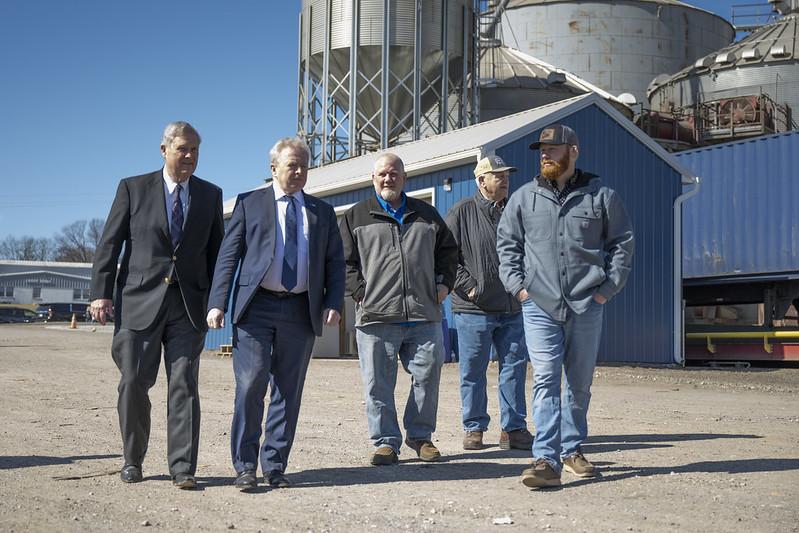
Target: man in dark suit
{"points": [[170, 223], [288, 251]]}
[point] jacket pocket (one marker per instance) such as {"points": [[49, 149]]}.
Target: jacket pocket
{"points": [[134, 280], [537, 226], [529, 277], [585, 226], [384, 297], [244, 279]]}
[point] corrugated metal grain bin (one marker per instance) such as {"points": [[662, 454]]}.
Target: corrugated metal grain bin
{"points": [[743, 221], [644, 323]]}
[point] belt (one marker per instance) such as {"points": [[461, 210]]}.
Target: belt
{"points": [[280, 295]]}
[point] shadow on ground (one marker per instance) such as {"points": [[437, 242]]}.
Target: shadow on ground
{"points": [[740, 466], [478, 465], [611, 443], [8, 462]]}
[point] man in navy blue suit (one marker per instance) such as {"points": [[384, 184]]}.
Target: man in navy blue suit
{"points": [[287, 248]]}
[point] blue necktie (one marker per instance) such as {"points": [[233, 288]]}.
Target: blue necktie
{"points": [[289, 277], [176, 227]]}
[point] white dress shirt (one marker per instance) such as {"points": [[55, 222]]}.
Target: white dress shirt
{"points": [[169, 196], [272, 279]]}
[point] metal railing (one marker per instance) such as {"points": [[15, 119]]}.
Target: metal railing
{"points": [[740, 116], [749, 17]]}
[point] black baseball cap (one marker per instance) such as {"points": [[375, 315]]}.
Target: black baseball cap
{"points": [[555, 134]]}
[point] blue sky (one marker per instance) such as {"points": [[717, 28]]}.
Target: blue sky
{"points": [[86, 87]]}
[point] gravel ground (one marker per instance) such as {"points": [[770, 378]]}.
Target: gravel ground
{"points": [[680, 450]]}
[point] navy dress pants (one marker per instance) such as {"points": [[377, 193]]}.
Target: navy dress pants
{"points": [[272, 345]]}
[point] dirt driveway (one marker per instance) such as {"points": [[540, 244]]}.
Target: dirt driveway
{"points": [[680, 450]]}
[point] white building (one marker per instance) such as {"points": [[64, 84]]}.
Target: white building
{"points": [[35, 282]]}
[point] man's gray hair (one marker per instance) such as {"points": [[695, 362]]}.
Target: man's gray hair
{"points": [[178, 129], [390, 157], [288, 142]]}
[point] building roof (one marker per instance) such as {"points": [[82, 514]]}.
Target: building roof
{"points": [[44, 264], [43, 272], [748, 140], [467, 145]]}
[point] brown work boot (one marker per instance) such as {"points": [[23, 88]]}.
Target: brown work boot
{"points": [[540, 474], [518, 439], [424, 449], [383, 456], [473, 440], [578, 465]]}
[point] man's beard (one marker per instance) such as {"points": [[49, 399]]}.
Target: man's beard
{"points": [[390, 195], [553, 169]]}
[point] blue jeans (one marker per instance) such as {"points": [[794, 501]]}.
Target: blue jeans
{"points": [[420, 349], [561, 426], [476, 334]]}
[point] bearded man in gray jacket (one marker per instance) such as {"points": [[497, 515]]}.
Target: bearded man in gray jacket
{"points": [[565, 245]]}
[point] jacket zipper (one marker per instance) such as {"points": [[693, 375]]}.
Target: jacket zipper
{"points": [[396, 228]]}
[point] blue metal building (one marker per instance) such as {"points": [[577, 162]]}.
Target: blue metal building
{"points": [[741, 233], [644, 323], [745, 220]]}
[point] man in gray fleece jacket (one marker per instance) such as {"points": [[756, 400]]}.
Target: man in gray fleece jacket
{"points": [[565, 246], [401, 260]]}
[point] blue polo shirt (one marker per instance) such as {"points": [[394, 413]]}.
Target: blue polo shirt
{"points": [[397, 213]]}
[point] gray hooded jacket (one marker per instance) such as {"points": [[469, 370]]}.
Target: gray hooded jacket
{"points": [[562, 255]]}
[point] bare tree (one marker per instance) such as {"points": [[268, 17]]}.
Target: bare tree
{"points": [[94, 231], [77, 241], [26, 248]]}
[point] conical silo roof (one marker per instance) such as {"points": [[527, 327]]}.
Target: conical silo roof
{"points": [[512, 81], [770, 44]]}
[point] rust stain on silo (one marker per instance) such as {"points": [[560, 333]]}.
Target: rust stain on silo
{"points": [[574, 26]]}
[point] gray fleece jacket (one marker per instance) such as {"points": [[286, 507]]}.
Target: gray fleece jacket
{"points": [[564, 254]]}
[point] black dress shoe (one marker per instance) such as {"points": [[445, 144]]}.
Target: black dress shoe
{"points": [[130, 474], [246, 480], [277, 480], [184, 481]]}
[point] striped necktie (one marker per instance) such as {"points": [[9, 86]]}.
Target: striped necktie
{"points": [[176, 227]]}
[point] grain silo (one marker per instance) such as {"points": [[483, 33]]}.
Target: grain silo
{"points": [[744, 89], [618, 45], [376, 73]]}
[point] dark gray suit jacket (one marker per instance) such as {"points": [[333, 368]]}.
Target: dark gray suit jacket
{"points": [[138, 220], [249, 244]]}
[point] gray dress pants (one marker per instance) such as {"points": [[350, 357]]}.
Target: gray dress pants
{"points": [[137, 354]]}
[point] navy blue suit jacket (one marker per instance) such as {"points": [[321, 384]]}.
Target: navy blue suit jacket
{"points": [[249, 245]]}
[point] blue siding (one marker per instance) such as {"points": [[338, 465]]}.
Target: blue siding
{"points": [[743, 221], [639, 322], [462, 185], [639, 325], [462, 180], [217, 337]]}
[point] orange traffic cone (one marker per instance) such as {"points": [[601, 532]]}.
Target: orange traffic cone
{"points": [[74, 323]]}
